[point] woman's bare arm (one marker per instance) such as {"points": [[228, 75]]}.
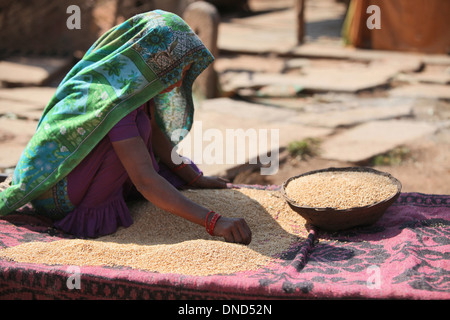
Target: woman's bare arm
{"points": [[137, 162], [162, 146]]}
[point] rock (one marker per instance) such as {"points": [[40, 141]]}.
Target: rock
{"points": [[255, 124], [397, 65], [244, 110], [373, 138], [441, 76], [297, 63], [355, 111], [13, 74], [272, 32], [39, 96], [204, 19], [26, 102], [355, 116], [16, 135], [18, 109], [21, 71], [35, 28], [251, 63], [422, 90], [323, 51], [325, 79], [271, 91]]}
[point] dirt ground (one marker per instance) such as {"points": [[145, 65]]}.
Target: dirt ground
{"points": [[426, 170], [426, 167]]}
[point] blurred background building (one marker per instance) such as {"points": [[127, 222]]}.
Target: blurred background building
{"points": [[38, 27], [406, 25]]}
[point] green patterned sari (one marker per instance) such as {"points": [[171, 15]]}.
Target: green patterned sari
{"points": [[129, 65]]}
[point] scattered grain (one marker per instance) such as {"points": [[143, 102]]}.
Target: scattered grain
{"points": [[161, 242]]}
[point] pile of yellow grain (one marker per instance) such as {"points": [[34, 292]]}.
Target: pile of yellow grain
{"points": [[161, 242], [340, 189]]}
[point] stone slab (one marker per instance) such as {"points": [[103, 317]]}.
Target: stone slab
{"points": [[14, 73], [373, 138], [422, 90], [275, 31], [254, 63], [349, 111], [268, 32], [244, 110], [322, 50], [397, 64], [292, 103], [20, 109], [10, 155], [16, 135], [313, 79], [21, 130], [430, 77], [39, 96], [31, 71], [354, 116], [214, 117]]}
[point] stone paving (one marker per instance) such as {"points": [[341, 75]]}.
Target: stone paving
{"points": [[359, 102]]}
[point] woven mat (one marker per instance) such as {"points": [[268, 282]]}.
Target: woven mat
{"points": [[405, 255]]}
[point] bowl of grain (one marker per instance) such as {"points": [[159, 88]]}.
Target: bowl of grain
{"points": [[335, 199]]}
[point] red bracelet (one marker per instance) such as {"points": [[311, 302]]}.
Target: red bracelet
{"points": [[213, 223], [195, 179], [206, 220], [180, 166]]}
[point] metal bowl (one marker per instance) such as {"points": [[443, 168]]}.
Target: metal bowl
{"points": [[330, 219]]}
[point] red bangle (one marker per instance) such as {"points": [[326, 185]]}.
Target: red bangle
{"points": [[195, 179], [206, 220], [213, 223], [180, 166]]}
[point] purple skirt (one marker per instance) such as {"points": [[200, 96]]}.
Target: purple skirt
{"points": [[102, 210], [91, 221]]}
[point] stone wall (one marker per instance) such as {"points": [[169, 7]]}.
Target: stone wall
{"points": [[127, 8], [38, 27]]}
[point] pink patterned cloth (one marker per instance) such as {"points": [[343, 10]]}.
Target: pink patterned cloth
{"points": [[405, 255]]}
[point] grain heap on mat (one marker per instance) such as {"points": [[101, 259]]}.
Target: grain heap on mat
{"points": [[161, 242], [340, 190]]}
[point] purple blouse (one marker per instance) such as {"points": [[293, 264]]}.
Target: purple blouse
{"points": [[98, 185]]}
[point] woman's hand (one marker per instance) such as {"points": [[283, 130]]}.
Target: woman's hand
{"points": [[207, 182], [163, 149], [233, 230], [136, 160]]}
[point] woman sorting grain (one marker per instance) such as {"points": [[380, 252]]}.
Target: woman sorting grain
{"points": [[107, 131]]}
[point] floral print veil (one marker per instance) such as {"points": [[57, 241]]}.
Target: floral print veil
{"points": [[126, 67]]}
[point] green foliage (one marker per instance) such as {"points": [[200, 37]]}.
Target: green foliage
{"points": [[394, 157], [303, 149]]}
